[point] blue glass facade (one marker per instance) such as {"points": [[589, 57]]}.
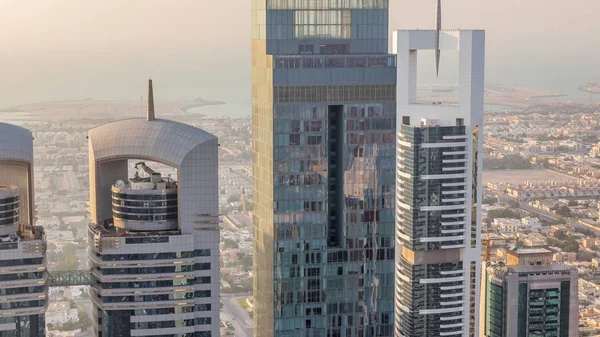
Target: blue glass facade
{"points": [[26, 325], [530, 299], [541, 312], [324, 116]]}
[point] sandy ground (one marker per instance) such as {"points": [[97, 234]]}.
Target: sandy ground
{"points": [[96, 109], [520, 176], [516, 97]]}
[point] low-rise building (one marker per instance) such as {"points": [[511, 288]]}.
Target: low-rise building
{"points": [[533, 240], [507, 225], [61, 313], [531, 223], [494, 240], [589, 322], [565, 257]]}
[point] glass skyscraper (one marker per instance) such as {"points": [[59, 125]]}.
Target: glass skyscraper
{"points": [[530, 295], [323, 112]]}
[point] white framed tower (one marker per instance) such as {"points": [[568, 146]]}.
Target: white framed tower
{"points": [[438, 190]]}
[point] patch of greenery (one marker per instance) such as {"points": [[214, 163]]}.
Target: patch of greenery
{"points": [[570, 244], [242, 302], [502, 213], [68, 259], [230, 244], [586, 232], [563, 211], [509, 162], [489, 200]]}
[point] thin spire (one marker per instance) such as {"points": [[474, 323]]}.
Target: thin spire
{"points": [[438, 30], [150, 112]]}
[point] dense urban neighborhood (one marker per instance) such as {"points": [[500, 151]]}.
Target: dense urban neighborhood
{"points": [[541, 188]]}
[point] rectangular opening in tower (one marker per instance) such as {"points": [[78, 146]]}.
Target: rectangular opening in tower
{"points": [[437, 88], [335, 173]]}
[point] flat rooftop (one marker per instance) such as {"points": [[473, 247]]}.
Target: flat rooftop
{"points": [[538, 250], [536, 269], [115, 233], [8, 188]]}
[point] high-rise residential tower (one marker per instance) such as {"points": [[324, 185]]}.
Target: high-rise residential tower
{"points": [[530, 295], [23, 273], [323, 113], [154, 239], [438, 190]]}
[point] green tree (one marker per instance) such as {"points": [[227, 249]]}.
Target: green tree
{"points": [[245, 261], [563, 211], [560, 235], [489, 200], [586, 232], [590, 138], [233, 198], [503, 213], [69, 259], [571, 245], [84, 320], [230, 244]]}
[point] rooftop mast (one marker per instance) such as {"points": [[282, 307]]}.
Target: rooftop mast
{"points": [[438, 29], [150, 112]]}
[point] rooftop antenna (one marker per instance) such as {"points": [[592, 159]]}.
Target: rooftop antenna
{"points": [[438, 30], [150, 112]]}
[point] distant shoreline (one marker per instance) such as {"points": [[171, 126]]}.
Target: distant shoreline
{"points": [[185, 109], [587, 90], [94, 109], [549, 96]]}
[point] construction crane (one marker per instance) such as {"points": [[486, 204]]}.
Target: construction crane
{"points": [[487, 244]]}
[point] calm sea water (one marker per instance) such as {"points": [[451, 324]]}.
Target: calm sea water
{"points": [[238, 104], [231, 110], [240, 110]]}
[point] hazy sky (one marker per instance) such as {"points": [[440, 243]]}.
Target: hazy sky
{"points": [[73, 49]]}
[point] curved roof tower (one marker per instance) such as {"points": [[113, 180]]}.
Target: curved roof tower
{"points": [[192, 151], [23, 291], [16, 165], [155, 238]]}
